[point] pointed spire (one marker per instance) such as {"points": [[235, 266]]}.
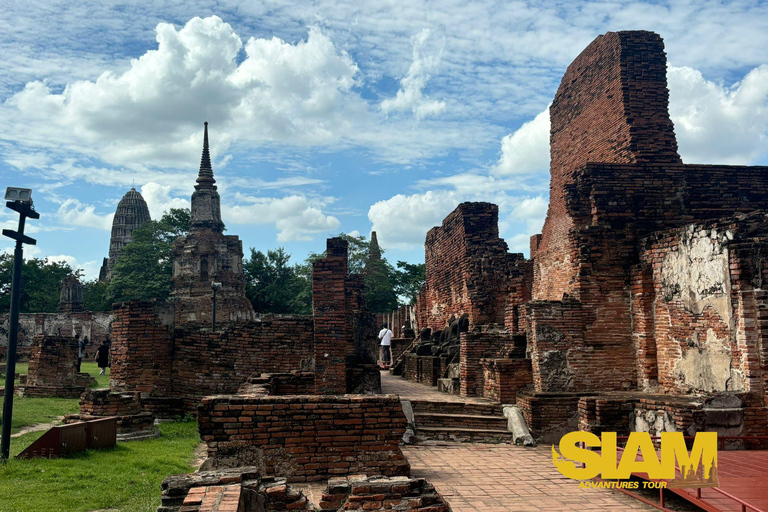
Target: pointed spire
{"points": [[375, 250], [205, 177]]}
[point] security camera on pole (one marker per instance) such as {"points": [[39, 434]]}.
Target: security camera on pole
{"points": [[18, 200]]}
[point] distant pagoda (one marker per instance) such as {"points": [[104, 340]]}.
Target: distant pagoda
{"points": [[131, 213]]}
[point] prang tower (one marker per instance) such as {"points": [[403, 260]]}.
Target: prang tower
{"points": [[207, 255], [131, 213]]}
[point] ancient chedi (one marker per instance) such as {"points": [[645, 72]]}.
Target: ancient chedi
{"points": [[205, 256], [71, 298], [131, 213]]}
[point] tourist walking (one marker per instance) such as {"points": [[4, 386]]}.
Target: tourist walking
{"points": [[102, 357]]}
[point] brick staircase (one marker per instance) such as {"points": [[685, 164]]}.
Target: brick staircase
{"points": [[458, 421]]}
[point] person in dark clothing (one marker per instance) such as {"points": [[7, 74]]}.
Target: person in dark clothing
{"points": [[102, 357]]}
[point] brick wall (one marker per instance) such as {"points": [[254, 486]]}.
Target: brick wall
{"points": [[141, 349], [331, 329], [206, 363], [503, 378], [359, 493], [611, 107], [696, 309], [147, 357], [53, 368], [549, 415], [93, 324], [468, 268], [306, 438], [474, 346]]}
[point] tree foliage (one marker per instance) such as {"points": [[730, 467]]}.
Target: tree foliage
{"points": [[409, 279], [144, 269], [274, 286], [40, 284], [380, 296], [96, 296]]}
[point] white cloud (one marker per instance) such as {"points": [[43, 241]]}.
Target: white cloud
{"points": [[716, 124], [74, 213], [152, 113], [527, 150], [402, 221], [159, 200], [90, 268], [64, 258], [296, 217], [411, 96]]}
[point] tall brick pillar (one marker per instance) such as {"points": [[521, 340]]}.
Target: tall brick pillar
{"points": [[611, 107], [328, 290]]}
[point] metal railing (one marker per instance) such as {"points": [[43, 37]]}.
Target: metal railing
{"points": [[685, 495]]}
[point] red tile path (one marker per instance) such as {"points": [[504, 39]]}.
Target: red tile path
{"points": [[508, 478]]}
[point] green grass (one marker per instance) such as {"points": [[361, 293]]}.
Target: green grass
{"points": [[102, 381], [28, 411], [126, 478]]}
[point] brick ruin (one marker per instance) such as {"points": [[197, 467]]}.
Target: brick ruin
{"points": [[642, 307], [206, 255], [53, 369], [644, 294]]}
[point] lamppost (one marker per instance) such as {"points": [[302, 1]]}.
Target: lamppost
{"points": [[18, 200], [215, 287]]}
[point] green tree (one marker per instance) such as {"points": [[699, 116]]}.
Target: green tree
{"points": [[40, 284], [380, 296], [379, 275], [409, 279], [96, 296], [144, 268], [274, 286]]}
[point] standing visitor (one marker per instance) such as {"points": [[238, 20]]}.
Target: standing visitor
{"points": [[80, 352], [385, 335], [102, 357]]}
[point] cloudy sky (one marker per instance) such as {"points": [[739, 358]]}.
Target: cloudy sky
{"points": [[335, 115]]}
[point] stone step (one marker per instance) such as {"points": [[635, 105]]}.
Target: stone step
{"points": [[466, 435], [482, 409], [471, 421]]}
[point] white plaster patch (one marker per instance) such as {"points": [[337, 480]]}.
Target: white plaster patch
{"points": [[708, 367], [697, 273], [654, 422]]}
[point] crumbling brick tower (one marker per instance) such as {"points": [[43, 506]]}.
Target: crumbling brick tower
{"points": [[648, 273], [206, 255]]}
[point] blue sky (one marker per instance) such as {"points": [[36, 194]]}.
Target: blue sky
{"points": [[331, 116]]}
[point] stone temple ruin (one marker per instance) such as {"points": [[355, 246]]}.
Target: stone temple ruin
{"points": [[642, 307]]}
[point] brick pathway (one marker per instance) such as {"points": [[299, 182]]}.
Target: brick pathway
{"points": [[407, 390], [507, 478]]}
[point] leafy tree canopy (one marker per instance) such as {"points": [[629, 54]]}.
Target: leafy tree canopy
{"points": [[40, 284], [409, 279], [274, 286]]}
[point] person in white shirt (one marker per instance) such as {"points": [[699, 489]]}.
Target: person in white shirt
{"points": [[385, 335]]}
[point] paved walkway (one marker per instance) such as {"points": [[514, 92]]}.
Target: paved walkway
{"points": [[507, 478], [407, 390]]}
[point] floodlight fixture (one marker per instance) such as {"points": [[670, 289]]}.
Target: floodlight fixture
{"points": [[20, 195]]}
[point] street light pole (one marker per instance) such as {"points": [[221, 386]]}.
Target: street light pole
{"points": [[21, 203]]}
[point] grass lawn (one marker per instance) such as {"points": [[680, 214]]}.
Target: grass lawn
{"points": [[126, 478], [28, 411]]}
